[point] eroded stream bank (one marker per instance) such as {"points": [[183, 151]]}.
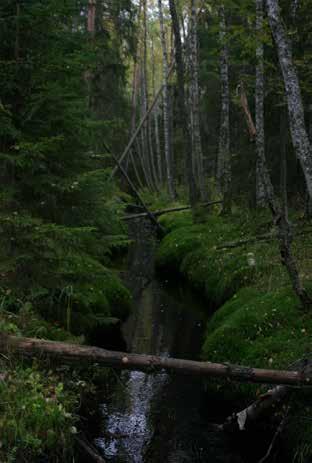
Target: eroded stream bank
{"points": [[163, 417]]}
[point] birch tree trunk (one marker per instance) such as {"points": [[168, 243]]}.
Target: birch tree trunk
{"points": [[145, 131], [197, 142], [260, 142], [224, 171], [308, 200], [193, 191], [298, 130], [156, 120], [165, 67], [279, 214], [283, 178]]}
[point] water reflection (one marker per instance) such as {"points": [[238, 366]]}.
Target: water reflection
{"points": [[139, 408]]}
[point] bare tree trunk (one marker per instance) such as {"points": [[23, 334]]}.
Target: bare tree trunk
{"points": [[144, 103], [167, 132], [193, 191], [224, 172], [156, 120], [283, 180], [241, 420], [150, 363], [17, 32], [280, 219], [260, 143], [294, 8], [197, 142], [248, 117], [308, 200], [298, 130], [91, 16]]}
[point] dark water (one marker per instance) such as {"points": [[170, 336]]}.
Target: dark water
{"points": [[160, 417]]}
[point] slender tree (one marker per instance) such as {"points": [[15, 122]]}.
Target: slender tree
{"points": [[224, 170], [279, 212], [193, 191], [259, 103], [194, 84], [156, 119], [167, 132], [298, 130]]}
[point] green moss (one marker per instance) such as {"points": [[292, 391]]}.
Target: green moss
{"points": [[259, 322], [262, 330], [192, 251]]}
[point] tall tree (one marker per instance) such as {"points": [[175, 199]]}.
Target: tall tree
{"points": [[193, 190], [259, 103], [298, 130], [224, 169], [195, 102], [166, 103], [278, 210]]}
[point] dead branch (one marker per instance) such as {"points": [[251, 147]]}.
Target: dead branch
{"points": [[259, 238], [76, 353], [167, 211], [90, 450], [245, 106], [240, 420], [277, 433]]}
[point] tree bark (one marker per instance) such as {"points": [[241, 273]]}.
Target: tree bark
{"points": [[156, 120], [91, 16], [245, 106], [197, 141], [137, 194], [17, 32], [224, 171], [193, 191], [260, 141], [279, 215], [76, 353], [283, 179], [139, 127], [241, 420], [298, 130], [167, 132]]}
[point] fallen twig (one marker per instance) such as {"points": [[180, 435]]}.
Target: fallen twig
{"points": [[278, 432], [90, 450]]}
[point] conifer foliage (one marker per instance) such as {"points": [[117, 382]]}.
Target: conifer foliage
{"points": [[58, 212]]}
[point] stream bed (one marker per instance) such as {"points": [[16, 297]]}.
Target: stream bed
{"points": [[155, 418]]}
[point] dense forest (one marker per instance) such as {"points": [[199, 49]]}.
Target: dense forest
{"points": [[150, 143]]}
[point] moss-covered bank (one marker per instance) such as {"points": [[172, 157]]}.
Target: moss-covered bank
{"points": [[258, 321], [39, 401]]}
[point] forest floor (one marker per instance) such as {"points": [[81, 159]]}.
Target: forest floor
{"points": [[40, 401], [256, 320]]}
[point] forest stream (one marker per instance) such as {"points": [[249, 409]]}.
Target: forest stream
{"points": [[160, 417]]}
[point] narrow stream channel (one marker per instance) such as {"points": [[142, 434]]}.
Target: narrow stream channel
{"points": [[149, 418]]}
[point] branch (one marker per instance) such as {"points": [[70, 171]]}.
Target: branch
{"points": [[167, 211]]}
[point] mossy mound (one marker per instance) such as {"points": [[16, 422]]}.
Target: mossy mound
{"points": [[267, 330], [259, 321], [192, 250], [94, 304]]}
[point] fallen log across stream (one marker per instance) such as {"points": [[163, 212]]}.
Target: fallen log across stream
{"points": [[167, 211], [64, 352]]}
